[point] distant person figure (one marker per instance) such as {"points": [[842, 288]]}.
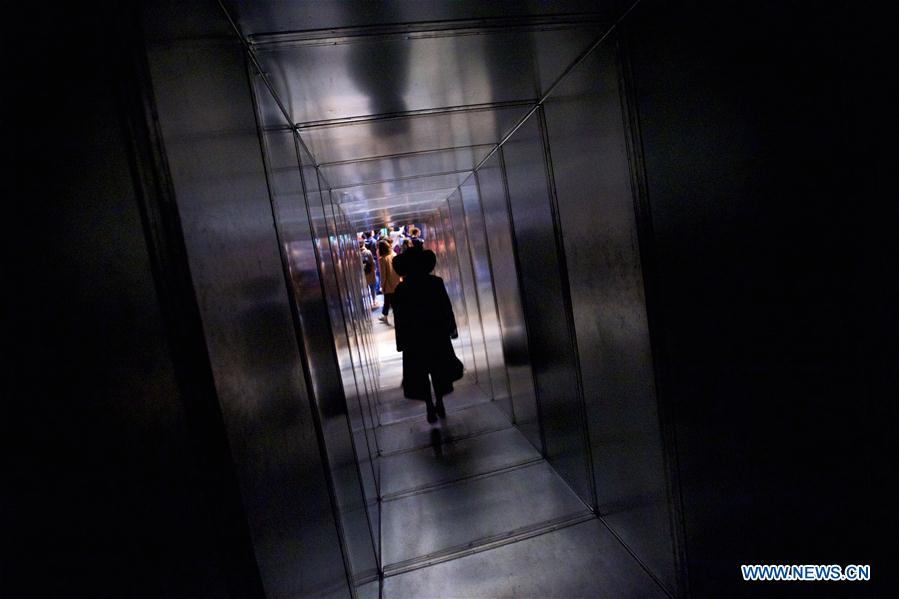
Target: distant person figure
{"points": [[389, 278], [425, 324], [371, 244], [394, 234], [417, 240], [368, 268]]}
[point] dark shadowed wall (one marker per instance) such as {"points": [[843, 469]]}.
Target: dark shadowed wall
{"points": [[772, 258], [597, 215], [207, 121], [116, 475]]}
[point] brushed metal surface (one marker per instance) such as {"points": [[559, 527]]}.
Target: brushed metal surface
{"points": [[374, 193], [452, 461], [406, 208], [504, 270], [339, 393], [552, 349], [596, 209], [469, 292], [444, 245], [415, 526], [398, 122], [584, 560], [483, 282], [404, 165], [350, 451], [219, 183], [388, 74], [339, 409], [415, 433], [265, 16], [353, 141], [355, 307]]}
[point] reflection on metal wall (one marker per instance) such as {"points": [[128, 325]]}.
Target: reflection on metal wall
{"points": [[504, 269], [322, 258], [469, 293], [212, 146], [442, 241], [596, 208], [358, 381], [340, 407], [553, 357], [479, 256]]}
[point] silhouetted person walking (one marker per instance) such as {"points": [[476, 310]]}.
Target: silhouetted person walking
{"points": [[389, 278], [425, 324]]}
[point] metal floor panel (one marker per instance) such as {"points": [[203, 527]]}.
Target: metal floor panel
{"points": [[460, 515], [394, 407], [369, 590], [583, 560], [417, 433], [453, 461]]}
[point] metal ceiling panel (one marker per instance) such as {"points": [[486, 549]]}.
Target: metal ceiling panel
{"points": [[376, 191], [387, 74], [377, 214], [264, 16], [354, 204], [368, 139], [344, 174]]}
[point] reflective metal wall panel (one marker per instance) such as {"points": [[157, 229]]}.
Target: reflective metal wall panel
{"points": [[368, 139], [404, 208], [348, 440], [553, 359], [483, 280], [596, 208], [373, 192], [206, 117], [504, 269], [469, 292], [390, 74], [264, 16], [358, 378], [340, 408], [343, 174], [448, 268]]}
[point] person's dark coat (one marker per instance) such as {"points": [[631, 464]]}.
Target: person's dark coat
{"points": [[424, 324]]}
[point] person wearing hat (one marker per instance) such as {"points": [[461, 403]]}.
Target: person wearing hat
{"points": [[425, 325]]}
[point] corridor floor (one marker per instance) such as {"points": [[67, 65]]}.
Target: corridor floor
{"points": [[470, 508]]}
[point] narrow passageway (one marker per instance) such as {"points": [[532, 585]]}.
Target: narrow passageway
{"points": [[469, 502], [662, 229]]}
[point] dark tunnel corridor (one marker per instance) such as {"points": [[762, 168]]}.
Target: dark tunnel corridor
{"points": [[665, 234]]}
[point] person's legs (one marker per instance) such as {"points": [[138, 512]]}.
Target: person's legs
{"points": [[386, 311], [440, 409], [429, 404]]}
